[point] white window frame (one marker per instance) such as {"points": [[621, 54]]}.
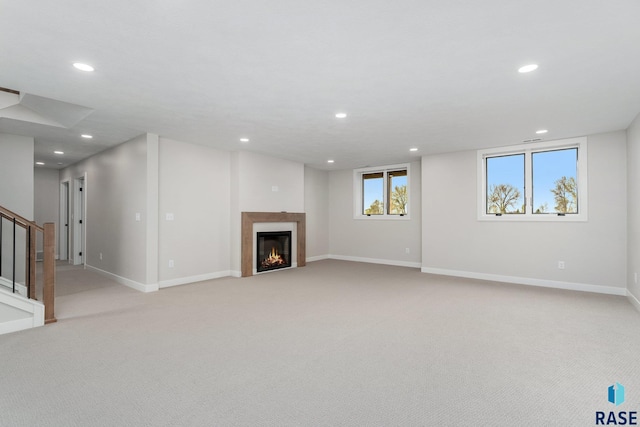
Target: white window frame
{"points": [[357, 192], [528, 150]]}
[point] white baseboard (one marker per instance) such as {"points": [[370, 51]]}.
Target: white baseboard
{"points": [[634, 300], [124, 281], [376, 261], [528, 281], [235, 273], [193, 279], [16, 325], [317, 258]]}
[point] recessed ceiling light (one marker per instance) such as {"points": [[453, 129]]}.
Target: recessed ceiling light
{"points": [[86, 136], [413, 149], [40, 163], [341, 115], [83, 67], [541, 131], [528, 68], [58, 152], [244, 139], [330, 161]]}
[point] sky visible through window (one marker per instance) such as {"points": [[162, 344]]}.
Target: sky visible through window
{"points": [[548, 167], [373, 189]]}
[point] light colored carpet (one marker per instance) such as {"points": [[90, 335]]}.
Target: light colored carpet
{"points": [[331, 344]]}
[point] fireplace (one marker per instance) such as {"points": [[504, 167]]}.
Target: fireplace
{"points": [[273, 250]]}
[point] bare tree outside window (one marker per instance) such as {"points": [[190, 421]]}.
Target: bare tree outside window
{"points": [[376, 208], [566, 195], [503, 199]]}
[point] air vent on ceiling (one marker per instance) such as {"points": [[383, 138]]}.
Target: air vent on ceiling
{"points": [[533, 140], [4, 89]]}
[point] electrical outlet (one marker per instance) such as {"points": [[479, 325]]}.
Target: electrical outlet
{"points": [[171, 264], [100, 256], [407, 250], [561, 265]]}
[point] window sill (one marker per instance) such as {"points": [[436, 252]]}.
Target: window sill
{"points": [[383, 217], [533, 218]]}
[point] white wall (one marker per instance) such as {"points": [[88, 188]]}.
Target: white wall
{"points": [[633, 200], [253, 178], [16, 194], [316, 207], [118, 187], [373, 240], [46, 199], [455, 242], [195, 188]]}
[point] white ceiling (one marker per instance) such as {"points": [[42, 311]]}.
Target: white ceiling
{"points": [[439, 76]]}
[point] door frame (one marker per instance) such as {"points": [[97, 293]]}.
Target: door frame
{"points": [[65, 230], [80, 214]]}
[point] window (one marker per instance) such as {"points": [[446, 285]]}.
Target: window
{"points": [[505, 184], [536, 182], [382, 192]]}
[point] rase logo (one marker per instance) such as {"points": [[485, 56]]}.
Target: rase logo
{"points": [[620, 418], [616, 394]]}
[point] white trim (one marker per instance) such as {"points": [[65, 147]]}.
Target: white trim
{"points": [[527, 149], [20, 302], [357, 192], [124, 281], [193, 279], [235, 273], [317, 258], [34, 309], [633, 300], [79, 239], [20, 288], [376, 261], [528, 281], [63, 232], [16, 325]]}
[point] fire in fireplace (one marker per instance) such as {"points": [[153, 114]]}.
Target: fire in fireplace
{"points": [[273, 250]]}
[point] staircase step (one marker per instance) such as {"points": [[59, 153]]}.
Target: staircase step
{"points": [[13, 319]]}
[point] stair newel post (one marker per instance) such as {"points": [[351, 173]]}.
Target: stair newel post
{"points": [[49, 267]]}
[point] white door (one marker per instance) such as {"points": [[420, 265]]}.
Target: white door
{"points": [[64, 221], [78, 222]]}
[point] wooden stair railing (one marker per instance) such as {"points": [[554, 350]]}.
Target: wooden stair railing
{"points": [[49, 265]]}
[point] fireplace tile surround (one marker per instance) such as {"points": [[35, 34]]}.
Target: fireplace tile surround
{"points": [[249, 218]]}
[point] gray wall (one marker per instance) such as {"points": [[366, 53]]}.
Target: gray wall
{"points": [[46, 199], [253, 178], [195, 188], [117, 188], [16, 194], [373, 240], [16, 174], [316, 206], [455, 242], [206, 189], [633, 200]]}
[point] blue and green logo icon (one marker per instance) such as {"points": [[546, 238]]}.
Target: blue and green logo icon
{"points": [[616, 394]]}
